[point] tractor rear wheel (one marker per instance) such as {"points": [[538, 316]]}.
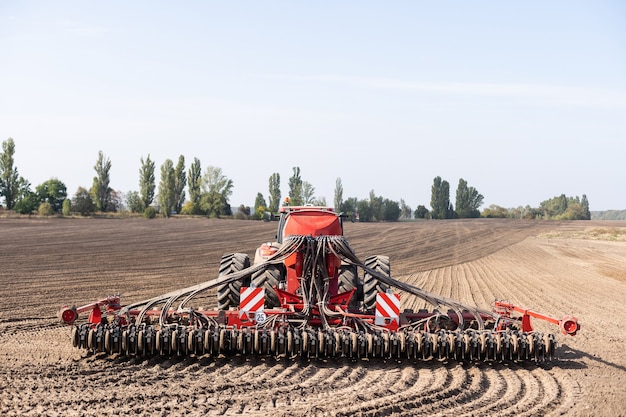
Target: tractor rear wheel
{"points": [[269, 278], [348, 280], [228, 293], [371, 285]]}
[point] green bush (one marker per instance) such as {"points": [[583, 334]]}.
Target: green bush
{"points": [[259, 212], [28, 203], [45, 209], [82, 202], [190, 208], [149, 212], [67, 207], [134, 202]]}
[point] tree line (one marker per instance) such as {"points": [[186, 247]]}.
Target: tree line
{"points": [[609, 215], [191, 191], [557, 208]]}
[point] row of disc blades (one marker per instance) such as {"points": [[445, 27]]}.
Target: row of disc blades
{"points": [[177, 340]]}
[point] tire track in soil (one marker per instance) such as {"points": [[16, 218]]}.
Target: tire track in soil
{"points": [[340, 382], [497, 398], [439, 384]]}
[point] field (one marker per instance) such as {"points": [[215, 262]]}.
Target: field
{"points": [[557, 268]]}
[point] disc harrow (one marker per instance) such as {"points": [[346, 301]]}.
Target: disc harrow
{"points": [[444, 345], [316, 322]]}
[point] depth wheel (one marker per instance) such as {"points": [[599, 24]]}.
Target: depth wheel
{"points": [[483, 346], [302, 342], [498, 340], [91, 339], [273, 342], [239, 345], [370, 344], [386, 345], [514, 347], [354, 345], [434, 345], [530, 343], [419, 346], [124, 343], [248, 341], [207, 341], [257, 342], [158, 342], [549, 349], [401, 344], [174, 342], [191, 342], [107, 341], [141, 343], [289, 343], [75, 335], [222, 341]]}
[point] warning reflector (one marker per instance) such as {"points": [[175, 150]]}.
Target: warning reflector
{"points": [[251, 301], [387, 308]]}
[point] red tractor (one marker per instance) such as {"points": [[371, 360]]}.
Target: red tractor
{"points": [[282, 281]]}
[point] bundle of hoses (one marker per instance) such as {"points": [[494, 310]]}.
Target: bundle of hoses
{"points": [[315, 251]]}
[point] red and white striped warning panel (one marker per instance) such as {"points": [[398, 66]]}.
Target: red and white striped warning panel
{"points": [[251, 301], [387, 308]]}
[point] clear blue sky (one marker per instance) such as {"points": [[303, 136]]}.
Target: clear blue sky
{"points": [[523, 100]]}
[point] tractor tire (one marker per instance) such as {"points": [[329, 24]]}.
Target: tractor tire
{"points": [[348, 280], [75, 337], [228, 294], [269, 278], [371, 285]]}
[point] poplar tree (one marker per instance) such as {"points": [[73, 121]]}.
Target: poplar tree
{"points": [[9, 177], [100, 190], [147, 182], [468, 201], [585, 207], [166, 188], [440, 199], [259, 205], [295, 188], [405, 210], [194, 181], [274, 189], [180, 181], [338, 194]]}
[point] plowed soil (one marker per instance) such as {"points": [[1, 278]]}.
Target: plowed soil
{"points": [[557, 268]]}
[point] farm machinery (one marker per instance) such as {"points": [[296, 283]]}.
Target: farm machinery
{"points": [[308, 295]]}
